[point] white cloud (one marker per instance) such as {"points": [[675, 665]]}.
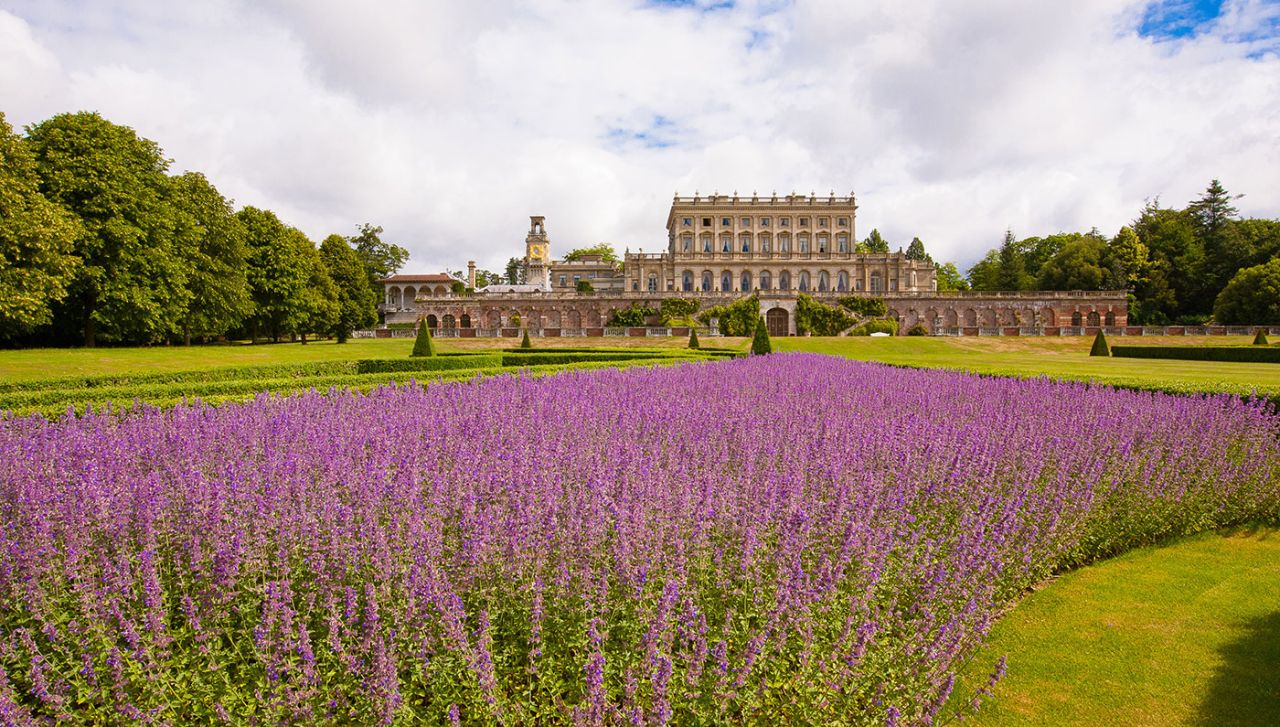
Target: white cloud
{"points": [[449, 123]]}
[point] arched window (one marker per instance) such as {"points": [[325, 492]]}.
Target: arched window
{"points": [[465, 321], [726, 243], [686, 282], [804, 281], [433, 322], [706, 281], [1093, 318], [765, 280], [1110, 318], [876, 285], [842, 282], [653, 282], [409, 295], [726, 281], [449, 321], [745, 282], [1076, 319], [784, 280], [393, 297], [824, 281], [744, 242]]}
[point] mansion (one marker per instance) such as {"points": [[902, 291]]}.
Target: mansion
{"points": [[718, 249]]}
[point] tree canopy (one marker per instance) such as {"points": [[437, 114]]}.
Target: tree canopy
{"points": [[604, 250]]}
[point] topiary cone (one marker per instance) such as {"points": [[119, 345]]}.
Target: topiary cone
{"points": [[693, 338], [1260, 338], [1100, 347], [524, 342], [423, 345], [760, 344]]}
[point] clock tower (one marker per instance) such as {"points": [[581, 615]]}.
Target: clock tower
{"points": [[537, 254]]}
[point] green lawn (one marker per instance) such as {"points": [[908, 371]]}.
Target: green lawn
{"points": [[1186, 634], [1066, 358]]}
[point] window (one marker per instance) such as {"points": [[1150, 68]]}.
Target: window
{"points": [[822, 243], [804, 282], [726, 243], [686, 221], [857, 284], [842, 242], [653, 282], [562, 280], [875, 282], [706, 282], [706, 243], [765, 280], [784, 243], [804, 221], [784, 280], [578, 278], [893, 284], [706, 221], [824, 281], [686, 282], [842, 282], [746, 243], [784, 222], [687, 242], [764, 221], [726, 221], [745, 221], [842, 221], [764, 243], [726, 281], [746, 282], [823, 222], [802, 243]]}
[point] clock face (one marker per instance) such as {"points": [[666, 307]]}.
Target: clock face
{"points": [[537, 252]]}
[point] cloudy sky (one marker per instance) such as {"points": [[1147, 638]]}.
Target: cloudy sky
{"points": [[449, 122]]}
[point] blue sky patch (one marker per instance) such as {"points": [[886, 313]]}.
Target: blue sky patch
{"points": [[705, 6], [1169, 19], [659, 134]]}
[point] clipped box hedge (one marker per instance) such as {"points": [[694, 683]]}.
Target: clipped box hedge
{"points": [[1236, 354]]}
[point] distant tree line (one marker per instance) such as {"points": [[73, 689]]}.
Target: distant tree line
{"points": [[100, 244], [1179, 265]]}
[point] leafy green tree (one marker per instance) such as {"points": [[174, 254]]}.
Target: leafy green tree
{"points": [[678, 309], [603, 249], [1077, 266], [820, 319], [423, 345], [735, 319], [949, 278], [1252, 297], [132, 279], [381, 259], [985, 274], [356, 302], [318, 305], [1125, 260], [213, 241], [915, 251], [1177, 260], [631, 317], [277, 274], [875, 243], [37, 242]]}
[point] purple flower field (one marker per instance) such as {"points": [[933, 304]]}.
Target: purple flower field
{"points": [[783, 539]]}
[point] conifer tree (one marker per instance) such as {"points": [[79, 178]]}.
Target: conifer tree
{"points": [[524, 342], [424, 346], [760, 344], [1100, 347], [693, 338], [1260, 338]]}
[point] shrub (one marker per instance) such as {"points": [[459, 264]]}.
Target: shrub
{"points": [[1252, 296], [631, 317], [918, 330], [693, 338], [884, 325], [424, 346], [1238, 354], [820, 319], [736, 319], [1100, 347], [679, 309], [584, 286], [1260, 338], [524, 340], [864, 306], [760, 344]]}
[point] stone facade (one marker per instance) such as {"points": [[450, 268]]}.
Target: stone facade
{"points": [[720, 248]]}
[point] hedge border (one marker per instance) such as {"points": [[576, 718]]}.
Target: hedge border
{"points": [[1233, 354]]}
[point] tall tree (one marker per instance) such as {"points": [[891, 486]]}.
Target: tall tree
{"points": [[131, 280], [212, 241], [1077, 266], [515, 271], [985, 274], [277, 274], [318, 304], [1012, 273], [380, 258], [1125, 260], [1177, 265], [356, 302], [37, 242], [949, 278], [875, 243], [1252, 297], [915, 251]]}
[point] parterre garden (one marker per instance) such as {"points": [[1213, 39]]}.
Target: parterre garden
{"points": [[792, 538]]}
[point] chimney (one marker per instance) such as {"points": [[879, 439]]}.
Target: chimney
{"points": [[471, 274]]}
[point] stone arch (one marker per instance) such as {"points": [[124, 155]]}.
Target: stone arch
{"points": [[950, 318], [493, 319], [592, 318], [464, 321], [512, 316], [777, 321], [573, 319], [393, 297], [1047, 317], [409, 295], [449, 321], [970, 317], [892, 313], [432, 322], [988, 318]]}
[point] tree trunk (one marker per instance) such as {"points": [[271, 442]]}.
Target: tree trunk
{"points": [[186, 335], [90, 334]]}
